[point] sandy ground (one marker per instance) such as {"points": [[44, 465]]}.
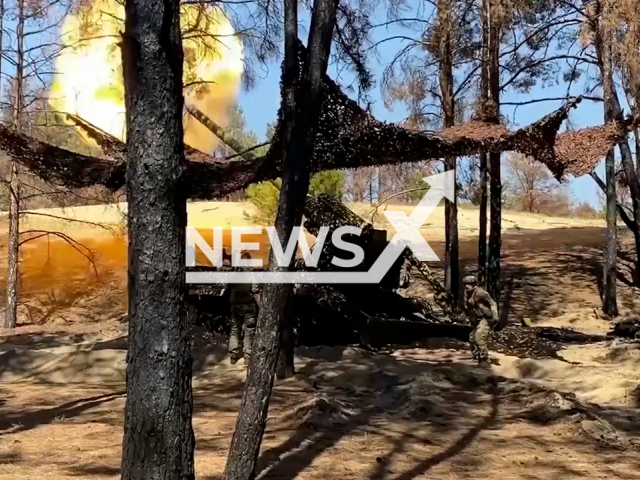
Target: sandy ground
{"points": [[200, 215], [512, 221], [93, 265], [206, 215], [348, 414]]}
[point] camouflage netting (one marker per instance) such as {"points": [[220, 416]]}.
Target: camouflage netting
{"points": [[581, 150], [347, 137]]}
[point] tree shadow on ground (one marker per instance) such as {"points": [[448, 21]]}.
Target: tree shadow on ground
{"points": [[49, 357], [29, 419], [85, 470], [552, 286], [358, 410], [8, 458], [36, 341], [471, 404], [395, 419], [455, 449], [552, 269]]}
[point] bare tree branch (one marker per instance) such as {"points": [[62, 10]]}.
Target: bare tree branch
{"points": [[67, 219], [87, 253], [374, 211], [553, 99]]}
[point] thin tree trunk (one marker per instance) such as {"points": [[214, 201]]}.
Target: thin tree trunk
{"points": [[482, 229], [13, 249], [13, 246], [484, 96], [634, 190], [245, 445], [620, 209], [603, 46], [495, 234], [158, 435], [636, 136], [632, 177], [285, 367], [495, 237], [609, 277], [451, 261]]}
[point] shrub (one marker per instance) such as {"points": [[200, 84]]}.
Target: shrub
{"points": [[584, 210], [265, 195], [418, 188], [329, 182]]}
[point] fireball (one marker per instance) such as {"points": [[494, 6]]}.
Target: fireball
{"points": [[89, 83]]}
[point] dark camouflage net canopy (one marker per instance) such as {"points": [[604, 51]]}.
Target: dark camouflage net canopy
{"points": [[347, 137]]}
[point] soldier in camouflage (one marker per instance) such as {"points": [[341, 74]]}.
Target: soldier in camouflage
{"points": [[482, 313], [404, 279], [245, 300]]}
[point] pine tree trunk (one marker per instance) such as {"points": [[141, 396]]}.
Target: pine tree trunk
{"points": [[286, 367], [609, 281], [619, 208], [451, 259], [631, 174], [158, 436], [634, 189], [484, 96], [290, 75], [614, 112], [602, 41], [482, 229], [636, 136], [245, 444], [13, 250], [495, 234], [13, 246]]}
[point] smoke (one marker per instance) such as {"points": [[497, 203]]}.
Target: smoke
{"points": [[88, 80]]}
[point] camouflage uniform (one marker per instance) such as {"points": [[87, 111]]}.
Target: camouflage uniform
{"points": [[482, 313], [405, 273], [244, 316]]}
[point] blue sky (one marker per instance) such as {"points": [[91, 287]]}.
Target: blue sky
{"points": [[260, 105]]}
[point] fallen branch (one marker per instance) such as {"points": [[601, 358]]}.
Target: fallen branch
{"points": [[31, 238]]}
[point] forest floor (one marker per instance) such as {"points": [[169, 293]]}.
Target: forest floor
{"points": [[425, 412]]}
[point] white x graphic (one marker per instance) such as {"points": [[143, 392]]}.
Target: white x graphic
{"points": [[408, 227]]}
